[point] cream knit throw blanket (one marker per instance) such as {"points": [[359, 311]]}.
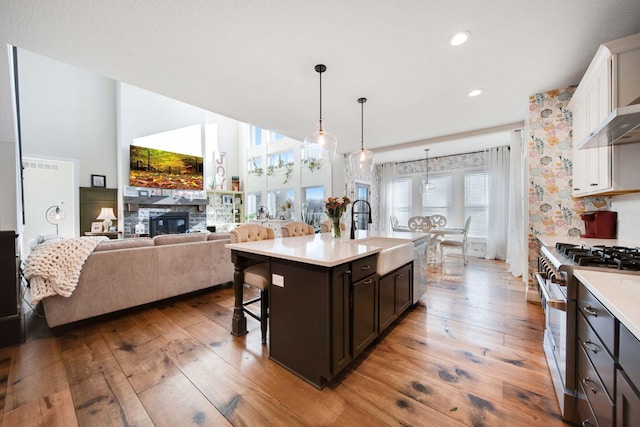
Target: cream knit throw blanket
{"points": [[53, 267]]}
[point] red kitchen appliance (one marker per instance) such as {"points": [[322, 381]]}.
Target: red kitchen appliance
{"points": [[600, 224]]}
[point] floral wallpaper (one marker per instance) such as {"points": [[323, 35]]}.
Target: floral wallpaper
{"points": [[552, 210]]}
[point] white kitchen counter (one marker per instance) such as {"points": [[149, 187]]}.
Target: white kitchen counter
{"points": [[619, 293], [322, 248], [550, 240]]}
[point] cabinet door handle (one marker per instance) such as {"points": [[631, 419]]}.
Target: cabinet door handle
{"points": [[587, 423], [591, 388], [348, 272], [588, 344], [368, 282], [590, 310], [399, 276], [593, 185]]}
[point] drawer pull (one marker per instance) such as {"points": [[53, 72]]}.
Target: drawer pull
{"points": [[587, 423], [589, 380], [398, 276], [589, 345], [366, 267], [590, 310], [368, 281]]}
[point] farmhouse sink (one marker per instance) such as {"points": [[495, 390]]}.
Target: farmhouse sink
{"points": [[395, 252]]}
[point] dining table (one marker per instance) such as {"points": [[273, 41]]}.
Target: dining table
{"points": [[444, 231]]}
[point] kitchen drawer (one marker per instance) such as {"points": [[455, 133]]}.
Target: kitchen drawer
{"points": [[599, 357], [628, 357], [363, 267], [599, 400], [600, 319], [586, 417]]}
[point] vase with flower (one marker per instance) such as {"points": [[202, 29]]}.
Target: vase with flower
{"points": [[334, 208]]}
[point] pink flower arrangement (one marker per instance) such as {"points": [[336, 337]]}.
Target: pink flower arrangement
{"points": [[336, 206]]}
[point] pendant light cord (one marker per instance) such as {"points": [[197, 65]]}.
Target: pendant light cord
{"points": [[362, 101], [321, 68]]}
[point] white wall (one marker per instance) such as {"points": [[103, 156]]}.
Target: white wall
{"points": [[70, 114], [628, 208], [143, 113]]}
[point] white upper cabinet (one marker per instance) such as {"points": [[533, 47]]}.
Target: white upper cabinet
{"points": [[611, 81]]}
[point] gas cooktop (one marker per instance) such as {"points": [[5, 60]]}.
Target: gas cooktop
{"points": [[612, 257]]}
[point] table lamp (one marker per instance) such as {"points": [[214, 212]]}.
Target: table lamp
{"points": [[106, 214]]}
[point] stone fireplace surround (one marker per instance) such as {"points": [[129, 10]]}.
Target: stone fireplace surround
{"points": [[140, 209]]}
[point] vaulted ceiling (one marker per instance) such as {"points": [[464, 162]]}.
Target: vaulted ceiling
{"points": [[254, 61]]}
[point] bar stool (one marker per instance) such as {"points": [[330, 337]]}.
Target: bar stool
{"points": [[256, 275]]}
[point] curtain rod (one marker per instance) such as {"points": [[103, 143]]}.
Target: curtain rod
{"points": [[438, 157]]}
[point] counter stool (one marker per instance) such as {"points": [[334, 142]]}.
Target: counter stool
{"points": [[256, 275]]}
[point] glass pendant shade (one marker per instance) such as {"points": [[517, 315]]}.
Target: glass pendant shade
{"points": [[425, 185], [321, 145], [361, 161]]}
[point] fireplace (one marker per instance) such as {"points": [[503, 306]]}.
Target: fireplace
{"points": [[169, 223]]}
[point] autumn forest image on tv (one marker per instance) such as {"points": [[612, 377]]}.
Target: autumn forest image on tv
{"points": [[163, 169]]}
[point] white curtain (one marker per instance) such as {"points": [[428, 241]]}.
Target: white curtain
{"points": [[389, 171], [516, 246], [497, 168]]}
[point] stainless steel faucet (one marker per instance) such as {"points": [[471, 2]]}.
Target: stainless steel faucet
{"points": [[353, 212]]}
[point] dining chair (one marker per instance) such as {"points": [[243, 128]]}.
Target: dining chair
{"points": [[255, 275], [395, 224], [436, 220], [451, 243], [297, 228], [420, 223]]}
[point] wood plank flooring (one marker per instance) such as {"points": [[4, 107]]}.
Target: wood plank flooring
{"points": [[468, 354]]}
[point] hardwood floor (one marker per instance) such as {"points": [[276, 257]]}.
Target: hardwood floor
{"points": [[469, 353]]}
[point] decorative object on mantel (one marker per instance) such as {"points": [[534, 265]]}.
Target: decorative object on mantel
{"points": [[425, 185], [320, 145], [107, 215], [334, 208], [99, 181], [361, 161], [55, 215]]}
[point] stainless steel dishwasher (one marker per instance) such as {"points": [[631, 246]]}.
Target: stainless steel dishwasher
{"points": [[420, 259]]}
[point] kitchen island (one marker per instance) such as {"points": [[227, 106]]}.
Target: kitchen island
{"points": [[329, 298]]}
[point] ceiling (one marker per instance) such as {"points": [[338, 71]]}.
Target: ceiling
{"points": [[254, 61]]}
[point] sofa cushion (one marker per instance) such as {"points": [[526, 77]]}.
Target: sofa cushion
{"points": [[135, 242], [174, 239], [218, 236]]}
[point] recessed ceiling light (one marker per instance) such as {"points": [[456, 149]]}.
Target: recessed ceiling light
{"points": [[475, 92], [460, 38]]}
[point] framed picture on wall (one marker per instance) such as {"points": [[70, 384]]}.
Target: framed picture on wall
{"points": [[98, 181]]}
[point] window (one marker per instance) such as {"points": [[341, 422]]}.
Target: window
{"points": [[277, 199], [312, 205], [476, 203], [278, 160], [255, 165], [253, 201], [261, 136], [401, 200], [439, 200]]}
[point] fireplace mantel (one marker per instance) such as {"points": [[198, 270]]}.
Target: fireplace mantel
{"points": [[134, 203]]}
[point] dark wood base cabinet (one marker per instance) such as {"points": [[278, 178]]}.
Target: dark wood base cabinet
{"points": [[321, 318], [608, 378], [11, 327]]}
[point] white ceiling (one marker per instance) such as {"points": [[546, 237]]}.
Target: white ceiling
{"points": [[254, 60]]}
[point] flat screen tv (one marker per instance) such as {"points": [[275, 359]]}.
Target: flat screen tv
{"points": [[153, 168]]}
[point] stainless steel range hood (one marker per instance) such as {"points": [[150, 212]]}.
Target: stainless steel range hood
{"points": [[622, 126]]}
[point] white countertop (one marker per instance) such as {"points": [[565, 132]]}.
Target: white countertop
{"points": [[620, 293], [550, 240], [322, 248]]}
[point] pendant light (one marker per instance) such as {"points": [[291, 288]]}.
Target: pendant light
{"points": [[320, 145], [361, 160], [425, 186]]}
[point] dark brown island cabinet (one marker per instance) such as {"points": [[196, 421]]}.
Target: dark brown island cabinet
{"points": [[322, 318], [608, 366], [11, 327]]}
